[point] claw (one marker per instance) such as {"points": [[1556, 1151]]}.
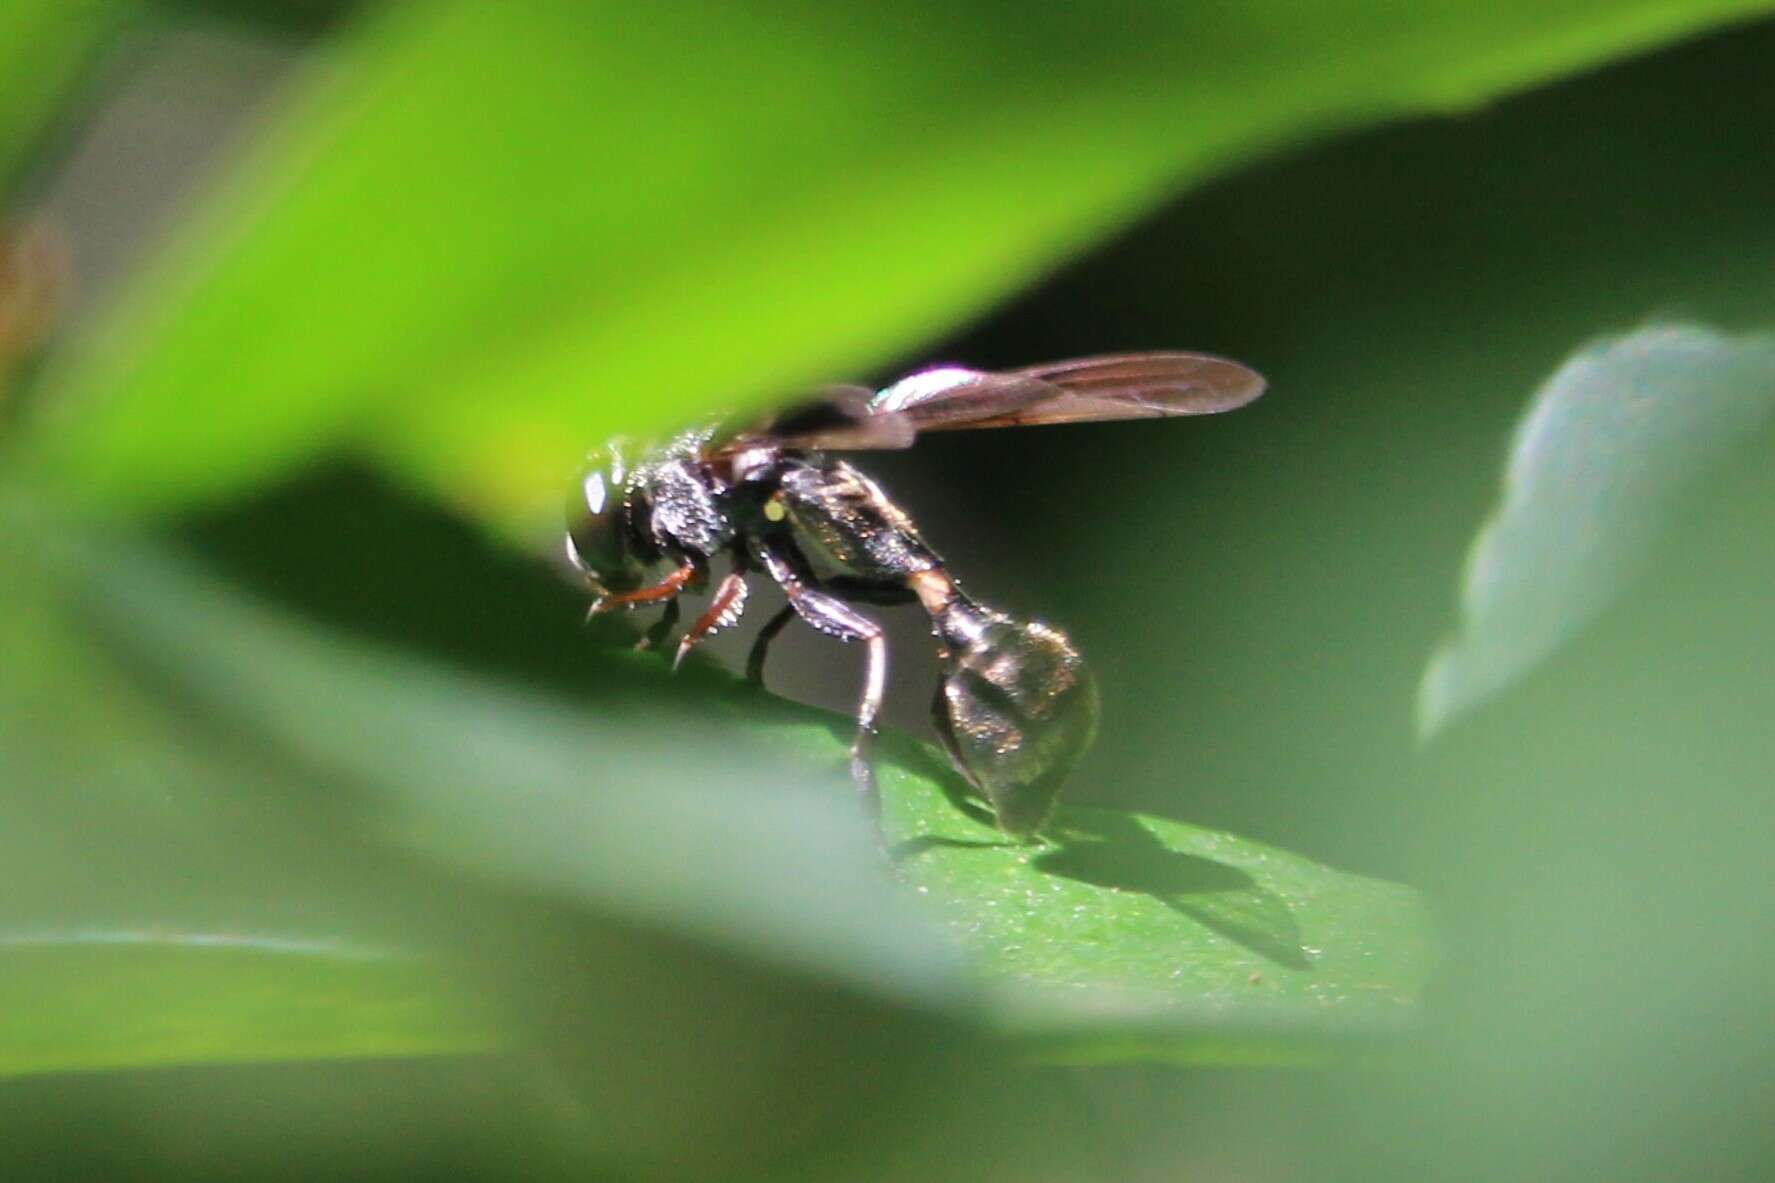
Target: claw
{"points": [[724, 610]]}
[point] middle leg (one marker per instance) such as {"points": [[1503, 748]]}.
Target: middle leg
{"points": [[659, 630], [761, 645]]}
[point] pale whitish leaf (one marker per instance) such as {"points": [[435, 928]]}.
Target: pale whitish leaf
{"points": [[1602, 454]]}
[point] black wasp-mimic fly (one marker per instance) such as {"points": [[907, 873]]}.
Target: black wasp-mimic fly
{"points": [[1015, 704]]}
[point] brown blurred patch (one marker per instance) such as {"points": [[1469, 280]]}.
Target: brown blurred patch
{"points": [[35, 275]]}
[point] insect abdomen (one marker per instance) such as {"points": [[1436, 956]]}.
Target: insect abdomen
{"points": [[1017, 707]]}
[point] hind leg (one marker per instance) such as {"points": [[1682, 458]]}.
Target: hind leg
{"points": [[835, 618]]}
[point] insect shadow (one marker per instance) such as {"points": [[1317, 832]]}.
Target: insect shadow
{"points": [[1112, 850], [1107, 849]]}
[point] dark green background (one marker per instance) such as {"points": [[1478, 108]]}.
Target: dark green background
{"points": [[1259, 594]]}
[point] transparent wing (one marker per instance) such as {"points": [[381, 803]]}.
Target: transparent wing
{"points": [[836, 418], [950, 398], [1118, 386], [953, 396]]}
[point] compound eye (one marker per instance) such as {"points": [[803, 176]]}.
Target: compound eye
{"points": [[598, 532]]}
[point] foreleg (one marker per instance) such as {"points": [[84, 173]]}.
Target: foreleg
{"points": [[724, 610], [666, 589]]}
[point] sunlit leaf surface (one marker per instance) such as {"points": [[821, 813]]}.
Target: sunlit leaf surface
{"points": [[1596, 468], [1133, 935]]}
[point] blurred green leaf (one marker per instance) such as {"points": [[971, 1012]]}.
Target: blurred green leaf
{"points": [[104, 999], [209, 810], [705, 808], [44, 47], [482, 235], [1598, 464], [290, 17], [167, 899], [636, 805]]}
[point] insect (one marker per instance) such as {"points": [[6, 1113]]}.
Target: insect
{"points": [[1015, 704]]}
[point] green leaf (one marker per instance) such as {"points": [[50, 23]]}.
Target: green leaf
{"points": [[292, 18], [45, 45], [167, 900], [106, 999], [635, 805], [1597, 467], [1128, 935], [704, 808], [480, 235]]}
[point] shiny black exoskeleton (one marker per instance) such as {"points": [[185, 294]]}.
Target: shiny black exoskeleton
{"points": [[1015, 704]]}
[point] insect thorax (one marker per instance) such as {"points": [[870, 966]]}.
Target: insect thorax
{"points": [[683, 506], [847, 525]]}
